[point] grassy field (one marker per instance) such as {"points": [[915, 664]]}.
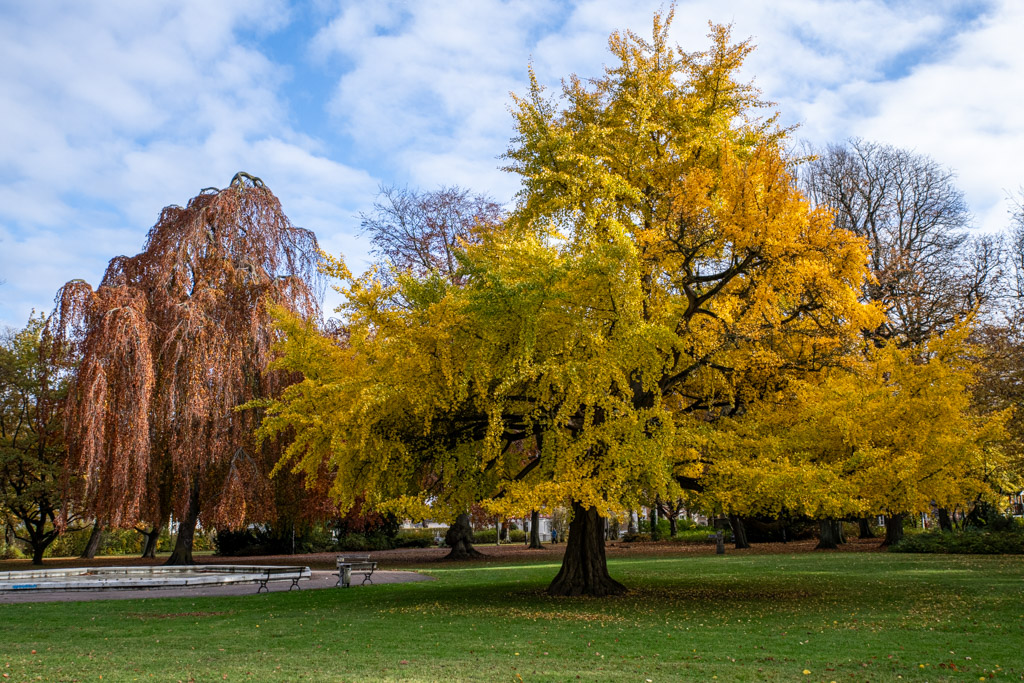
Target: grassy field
{"points": [[810, 617]]}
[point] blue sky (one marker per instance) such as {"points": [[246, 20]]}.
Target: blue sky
{"points": [[113, 109]]}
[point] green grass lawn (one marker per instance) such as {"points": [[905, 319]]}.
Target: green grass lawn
{"points": [[811, 617]]}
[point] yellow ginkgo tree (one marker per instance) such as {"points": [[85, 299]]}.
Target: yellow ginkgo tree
{"points": [[895, 432], [660, 265]]}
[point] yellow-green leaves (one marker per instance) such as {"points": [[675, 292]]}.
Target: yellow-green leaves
{"points": [[660, 266], [893, 432]]}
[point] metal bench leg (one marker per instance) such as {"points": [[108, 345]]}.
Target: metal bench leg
{"points": [[295, 585], [263, 586]]}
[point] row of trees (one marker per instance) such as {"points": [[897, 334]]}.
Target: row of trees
{"points": [[677, 305]]}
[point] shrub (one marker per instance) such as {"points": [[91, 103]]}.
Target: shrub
{"points": [[485, 536], [269, 540], [636, 538], [684, 524], [419, 538], [10, 552], [966, 543], [352, 542], [120, 542], [699, 534], [69, 544], [242, 542]]}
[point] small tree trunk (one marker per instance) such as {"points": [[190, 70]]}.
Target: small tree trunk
{"points": [[182, 553], [893, 529], [459, 538], [584, 566], [39, 539], [152, 539], [829, 534], [632, 526], [739, 531], [653, 518], [865, 528], [535, 530], [92, 546], [673, 526], [945, 523]]}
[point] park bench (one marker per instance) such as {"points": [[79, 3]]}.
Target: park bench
{"points": [[360, 564], [294, 574]]}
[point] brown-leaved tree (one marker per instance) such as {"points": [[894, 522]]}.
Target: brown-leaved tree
{"points": [[171, 342]]}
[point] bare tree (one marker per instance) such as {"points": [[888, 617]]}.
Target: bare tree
{"points": [[172, 342], [928, 271], [421, 232], [1000, 383], [1015, 260]]}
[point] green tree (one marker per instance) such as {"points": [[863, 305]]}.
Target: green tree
{"points": [[32, 451]]}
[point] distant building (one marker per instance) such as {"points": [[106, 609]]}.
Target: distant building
{"points": [[1017, 504]]}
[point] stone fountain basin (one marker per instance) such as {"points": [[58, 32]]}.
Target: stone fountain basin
{"points": [[92, 578]]}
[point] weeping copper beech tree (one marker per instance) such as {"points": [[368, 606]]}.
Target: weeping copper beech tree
{"points": [[171, 342]]}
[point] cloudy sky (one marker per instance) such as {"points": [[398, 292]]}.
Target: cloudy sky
{"points": [[112, 109]]}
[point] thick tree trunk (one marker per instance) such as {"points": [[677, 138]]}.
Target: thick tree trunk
{"points": [[459, 538], [535, 530], [37, 553], [945, 523], [739, 532], [865, 528], [92, 546], [673, 526], [152, 539], [584, 566], [893, 529], [182, 553], [830, 534]]}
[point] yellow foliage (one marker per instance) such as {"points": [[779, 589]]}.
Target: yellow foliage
{"points": [[661, 265], [893, 433]]}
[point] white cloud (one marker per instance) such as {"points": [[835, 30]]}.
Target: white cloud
{"points": [[963, 110], [114, 109], [425, 85]]}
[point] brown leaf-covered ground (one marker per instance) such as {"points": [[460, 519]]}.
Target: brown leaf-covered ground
{"points": [[507, 553]]}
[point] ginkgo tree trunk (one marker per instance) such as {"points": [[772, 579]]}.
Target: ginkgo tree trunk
{"points": [[172, 341]]}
